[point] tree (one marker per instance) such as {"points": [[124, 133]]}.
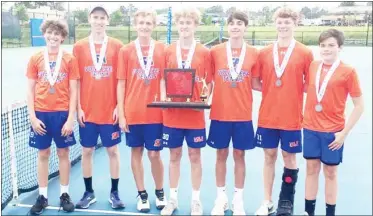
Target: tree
{"points": [[57, 6], [217, 9], [21, 13], [306, 11], [81, 15], [230, 10], [116, 18], [347, 4]]}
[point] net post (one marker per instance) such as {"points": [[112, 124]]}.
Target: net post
{"points": [[13, 156]]}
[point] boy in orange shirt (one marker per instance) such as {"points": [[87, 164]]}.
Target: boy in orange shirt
{"points": [[97, 57], [330, 82], [140, 65], [186, 123], [231, 109], [51, 100], [283, 68]]}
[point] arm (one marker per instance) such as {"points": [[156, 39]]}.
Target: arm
{"points": [[121, 89], [355, 115], [256, 84], [162, 87], [308, 61], [31, 98], [73, 99]]}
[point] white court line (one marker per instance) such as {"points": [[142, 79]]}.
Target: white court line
{"points": [[90, 210]]}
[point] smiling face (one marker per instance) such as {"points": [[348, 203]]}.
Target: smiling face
{"points": [[285, 27], [98, 20], [53, 37], [329, 49], [236, 28], [186, 27], [144, 25]]}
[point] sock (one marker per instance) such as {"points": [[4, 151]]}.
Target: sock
{"points": [[289, 179], [173, 193], [195, 195], [221, 191], [114, 184], [143, 194], [238, 194], [330, 209], [310, 207], [159, 193], [88, 184], [64, 189], [43, 191]]}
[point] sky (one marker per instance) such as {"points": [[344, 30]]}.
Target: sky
{"points": [[252, 6]]}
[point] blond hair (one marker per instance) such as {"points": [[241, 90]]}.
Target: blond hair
{"points": [[286, 12], [56, 25], [146, 12], [190, 12]]}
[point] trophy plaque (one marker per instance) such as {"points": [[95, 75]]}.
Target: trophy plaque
{"points": [[179, 90]]}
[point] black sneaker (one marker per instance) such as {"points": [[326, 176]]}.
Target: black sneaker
{"points": [[39, 206], [284, 208], [66, 204]]}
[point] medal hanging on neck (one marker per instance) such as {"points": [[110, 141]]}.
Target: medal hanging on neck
{"points": [[98, 62], [52, 77], [235, 70], [188, 63], [145, 65], [281, 69]]}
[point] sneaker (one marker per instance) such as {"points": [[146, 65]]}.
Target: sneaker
{"points": [[237, 207], [88, 199], [143, 204], [170, 207], [196, 208], [284, 208], [115, 201], [221, 205], [39, 206], [66, 204], [305, 214], [266, 208], [160, 201]]}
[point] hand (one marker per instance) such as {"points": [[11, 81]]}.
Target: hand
{"points": [[81, 118], [123, 124], [38, 126], [338, 141], [163, 97], [67, 128], [115, 116]]}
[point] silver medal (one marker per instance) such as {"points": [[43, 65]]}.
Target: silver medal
{"points": [[318, 108], [234, 84], [278, 82], [147, 82], [52, 90]]}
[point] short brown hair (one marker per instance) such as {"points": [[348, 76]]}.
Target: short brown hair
{"points": [[146, 12], [57, 25], [238, 15], [334, 33], [286, 12]]}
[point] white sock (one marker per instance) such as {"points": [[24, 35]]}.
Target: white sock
{"points": [[173, 193], [43, 191], [64, 189], [221, 191], [238, 194], [195, 195]]}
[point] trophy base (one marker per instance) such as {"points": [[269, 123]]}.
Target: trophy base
{"points": [[184, 105]]}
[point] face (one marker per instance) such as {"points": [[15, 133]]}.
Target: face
{"points": [[144, 26], [53, 38], [285, 27], [98, 21], [236, 28], [186, 27], [329, 49]]}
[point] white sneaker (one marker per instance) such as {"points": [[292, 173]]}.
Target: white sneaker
{"points": [[305, 214], [170, 207], [160, 203], [238, 208], [196, 208], [143, 205], [266, 208], [221, 205]]}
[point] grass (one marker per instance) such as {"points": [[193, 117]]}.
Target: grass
{"points": [[257, 35]]}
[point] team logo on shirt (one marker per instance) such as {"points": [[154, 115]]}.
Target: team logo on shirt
{"points": [[106, 70], [140, 73], [225, 74], [42, 75], [98, 58]]}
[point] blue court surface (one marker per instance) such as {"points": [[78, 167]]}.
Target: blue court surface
{"points": [[355, 173]]}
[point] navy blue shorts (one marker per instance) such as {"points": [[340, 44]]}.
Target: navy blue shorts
{"points": [[291, 140], [174, 137], [53, 122], [316, 147], [241, 133], [145, 135], [110, 134]]}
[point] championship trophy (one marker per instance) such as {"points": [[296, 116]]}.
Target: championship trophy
{"points": [[179, 90]]}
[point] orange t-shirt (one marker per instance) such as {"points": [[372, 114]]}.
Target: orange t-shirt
{"points": [[59, 101], [228, 103], [98, 97], [282, 107], [188, 118], [141, 90], [344, 81]]}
